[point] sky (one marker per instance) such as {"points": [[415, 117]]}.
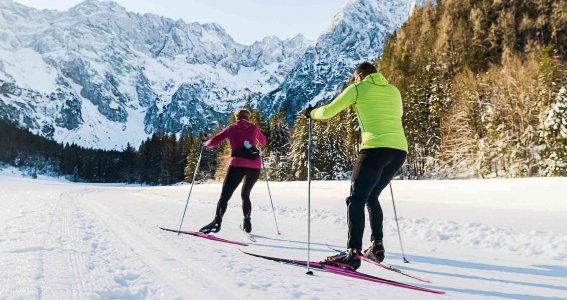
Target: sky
{"points": [[246, 21]]}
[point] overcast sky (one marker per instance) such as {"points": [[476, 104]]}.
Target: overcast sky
{"points": [[245, 20]]}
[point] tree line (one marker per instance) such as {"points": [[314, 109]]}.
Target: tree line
{"points": [[160, 159], [164, 159]]}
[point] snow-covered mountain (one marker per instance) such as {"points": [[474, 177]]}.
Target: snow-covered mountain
{"points": [[358, 33], [100, 76]]}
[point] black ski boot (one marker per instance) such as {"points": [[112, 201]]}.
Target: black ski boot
{"points": [[214, 226], [349, 259], [375, 252], [246, 225]]}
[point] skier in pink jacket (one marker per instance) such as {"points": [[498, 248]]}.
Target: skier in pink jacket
{"points": [[245, 163]]}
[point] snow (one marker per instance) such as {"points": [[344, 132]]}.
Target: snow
{"points": [[211, 37], [475, 239], [98, 132], [10, 171], [38, 47], [27, 68]]}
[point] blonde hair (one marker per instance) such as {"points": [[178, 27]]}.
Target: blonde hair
{"points": [[242, 114]]}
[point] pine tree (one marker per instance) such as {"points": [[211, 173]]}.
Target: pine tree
{"points": [[553, 95], [193, 152], [190, 164], [277, 158], [353, 136], [556, 135], [341, 159], [187, 143], [299, 139], [127, 171]]}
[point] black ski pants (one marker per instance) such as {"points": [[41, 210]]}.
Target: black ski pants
{"points": [[372, 172], [231, 181]]}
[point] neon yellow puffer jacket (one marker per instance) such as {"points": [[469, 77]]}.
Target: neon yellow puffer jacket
{"points": [[378, 105]]}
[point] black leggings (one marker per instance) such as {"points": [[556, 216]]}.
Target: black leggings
{"points": [[233, 178], [371, 174]]}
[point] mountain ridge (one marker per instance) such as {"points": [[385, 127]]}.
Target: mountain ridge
{"points": [[100, 76], [103, 67]]}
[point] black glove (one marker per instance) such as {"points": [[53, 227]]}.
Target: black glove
{"points": [[308, 111]]}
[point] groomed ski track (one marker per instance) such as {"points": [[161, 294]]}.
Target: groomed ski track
{"points": [[63, 240]]}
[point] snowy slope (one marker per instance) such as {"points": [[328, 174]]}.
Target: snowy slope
{"points": [[476, 239], [101, 76]]}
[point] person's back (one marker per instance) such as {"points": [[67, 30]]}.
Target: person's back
{"points": [[245, 164], [238, 133], [378, 105]]}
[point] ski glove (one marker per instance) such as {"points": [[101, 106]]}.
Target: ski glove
{"points": [[308, 111]]}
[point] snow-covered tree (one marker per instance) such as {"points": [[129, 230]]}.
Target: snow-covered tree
{"points": [[299, 137], [279, 145], [556, 134]]}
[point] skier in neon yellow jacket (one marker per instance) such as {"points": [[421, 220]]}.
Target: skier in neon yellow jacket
{"points": [[378, 106]]}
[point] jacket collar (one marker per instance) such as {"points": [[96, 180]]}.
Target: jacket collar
{"points": [[376, 78]]}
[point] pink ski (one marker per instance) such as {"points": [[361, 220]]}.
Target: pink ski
{"points": [[205, 236], [347, 273]]}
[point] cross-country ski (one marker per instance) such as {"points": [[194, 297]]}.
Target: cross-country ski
{"points": [[344, 272], [387, 267], [205, 236], [248, 235]]}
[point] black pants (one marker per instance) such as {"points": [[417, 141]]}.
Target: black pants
{"points": [[371, 174], [231, 181]]}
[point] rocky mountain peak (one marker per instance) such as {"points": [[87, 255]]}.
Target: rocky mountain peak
{"points": [[100, 76]]}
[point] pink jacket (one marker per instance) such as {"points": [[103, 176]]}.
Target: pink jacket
{"points": [[238, 132]]}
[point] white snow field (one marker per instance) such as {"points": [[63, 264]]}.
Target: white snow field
{"points": [[475, 239]]}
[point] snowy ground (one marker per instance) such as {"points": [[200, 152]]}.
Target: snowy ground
{"points": [[474, 239]]}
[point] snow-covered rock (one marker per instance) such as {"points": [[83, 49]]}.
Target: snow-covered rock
{"points": [[101, 76]]}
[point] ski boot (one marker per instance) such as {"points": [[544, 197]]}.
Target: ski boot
{"points": [[214, 226], [375, 252], [246, 225], [349, 259]]}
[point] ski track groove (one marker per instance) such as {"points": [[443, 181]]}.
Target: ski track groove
{"points": [[83, 264], [65, 239], [168, 265], [70, 256], [49, 215], [73, 256]]}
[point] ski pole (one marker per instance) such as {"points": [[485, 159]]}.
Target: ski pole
{"points": [[309, 272], [397, 224], [269, 192], [191, 189]]}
